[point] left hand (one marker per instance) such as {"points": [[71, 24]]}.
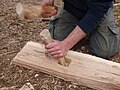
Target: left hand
{"points": [[57, 49], [52, 13]]}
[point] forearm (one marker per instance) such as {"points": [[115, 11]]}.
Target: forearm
{"points": [[59, 48], [75, 36]]}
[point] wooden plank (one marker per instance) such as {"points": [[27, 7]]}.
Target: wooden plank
{"points": [[84, 69]]}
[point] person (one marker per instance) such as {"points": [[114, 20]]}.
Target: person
{"points": [[79, 18]]}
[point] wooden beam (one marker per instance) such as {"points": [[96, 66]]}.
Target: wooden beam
{"points": [[84, 69]]}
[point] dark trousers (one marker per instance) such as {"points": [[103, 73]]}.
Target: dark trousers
{"points": [[104, 41]]}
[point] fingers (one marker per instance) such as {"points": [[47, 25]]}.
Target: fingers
{"points": [[44, 2], [55, 49], [52, 13], [55, 53], [51, 45], [46, 15], [47, 2]]}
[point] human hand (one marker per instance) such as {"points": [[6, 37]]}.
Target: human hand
{"points": [[48, 8], [57, 49], [47, 2], [49, 11]]}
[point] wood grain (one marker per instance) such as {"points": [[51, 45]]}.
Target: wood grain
{"points": [[84, 69]]}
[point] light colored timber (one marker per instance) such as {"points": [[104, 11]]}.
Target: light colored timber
{"points": [[84, 69], [46, 38]]}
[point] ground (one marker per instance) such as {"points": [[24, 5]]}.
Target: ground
{"points": [[14, 33]]}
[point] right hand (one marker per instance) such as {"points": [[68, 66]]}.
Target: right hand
{"points": [[47, 2], [57, 49]]}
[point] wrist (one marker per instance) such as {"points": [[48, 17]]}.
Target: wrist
{"points": [[66, 44], [75, 36]]}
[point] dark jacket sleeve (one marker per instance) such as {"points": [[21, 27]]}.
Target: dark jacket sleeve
{"points": [[96, 11]]}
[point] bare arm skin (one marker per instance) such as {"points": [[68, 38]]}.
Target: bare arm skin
{"points": [[60, 48], [74, 37]]}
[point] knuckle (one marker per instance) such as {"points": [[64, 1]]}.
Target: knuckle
{"points": [[59, 47], [61, 54], [59, 51]]}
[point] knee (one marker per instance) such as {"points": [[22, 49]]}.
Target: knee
{"points": [[103, 50], [100, 53]]}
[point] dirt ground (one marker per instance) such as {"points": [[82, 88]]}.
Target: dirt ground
{"points": [[14, 33]]}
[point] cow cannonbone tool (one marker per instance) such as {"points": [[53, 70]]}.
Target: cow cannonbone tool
{"points": [[46, 38]]}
